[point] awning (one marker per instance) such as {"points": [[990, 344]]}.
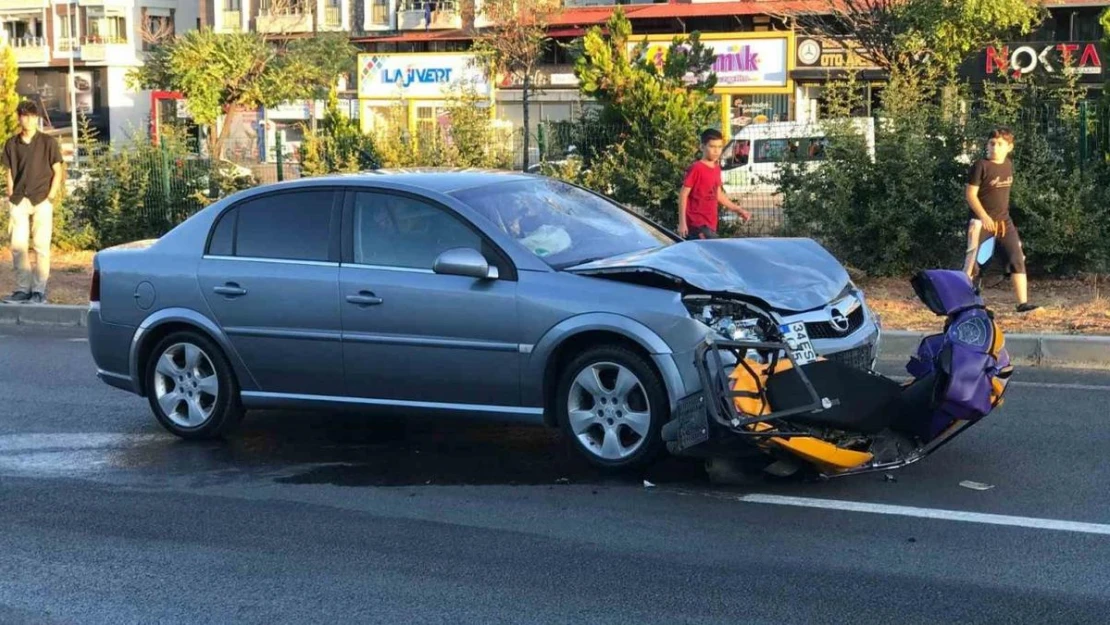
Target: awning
{"points": [[419, 36], [719, 9]]}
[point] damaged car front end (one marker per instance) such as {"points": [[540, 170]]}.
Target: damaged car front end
{"points": [[751, 289]]}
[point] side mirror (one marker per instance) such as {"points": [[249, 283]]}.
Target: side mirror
{"points": [[464, 261]]}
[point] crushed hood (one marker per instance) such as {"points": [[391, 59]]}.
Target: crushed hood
{"points": [[787, 274]]}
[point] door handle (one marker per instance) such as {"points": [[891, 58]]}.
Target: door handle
{"points": [[230, 289], [364, 298]]}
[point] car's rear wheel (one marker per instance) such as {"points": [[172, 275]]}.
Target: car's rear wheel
{"points": [[611, 405], [191, 387]]}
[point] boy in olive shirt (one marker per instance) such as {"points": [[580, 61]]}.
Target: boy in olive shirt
{"points": [[988, 196]]}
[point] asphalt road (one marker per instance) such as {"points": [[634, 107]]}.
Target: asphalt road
{"points": [[338, 518]]}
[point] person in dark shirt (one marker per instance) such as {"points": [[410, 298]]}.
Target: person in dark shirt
{"points": [[988, 195], [702, 193], [33, 162]]}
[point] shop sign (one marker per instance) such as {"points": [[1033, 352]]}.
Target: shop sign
{"points": [[419, 75], [831, 54], [740, 63], [1048, 58]]}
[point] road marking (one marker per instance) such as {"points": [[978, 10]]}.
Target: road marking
{"points": [[80, 340], [928, 513]]}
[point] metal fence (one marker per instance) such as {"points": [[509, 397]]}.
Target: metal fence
{"points": [[173, 182]]}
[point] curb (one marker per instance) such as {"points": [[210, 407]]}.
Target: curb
{"points": [[1035, 349], [40, 315]]}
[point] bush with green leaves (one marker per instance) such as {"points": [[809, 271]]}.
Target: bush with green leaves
{"points": [[661, 107], [906, 209], [468, 139], [338, 145], [141, 190]]}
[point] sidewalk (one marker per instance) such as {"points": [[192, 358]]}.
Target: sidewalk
{"points": [[1073, 328]]}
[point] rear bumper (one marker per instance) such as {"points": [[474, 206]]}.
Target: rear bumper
{"points": [[110, 345]]}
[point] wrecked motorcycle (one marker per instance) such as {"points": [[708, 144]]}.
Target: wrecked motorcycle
{"points": [[777, 402]]}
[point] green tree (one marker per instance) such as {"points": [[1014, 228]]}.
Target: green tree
{"points": [[915, 33], [9, 98], [514, 46], [219, 73], [660, 106]]}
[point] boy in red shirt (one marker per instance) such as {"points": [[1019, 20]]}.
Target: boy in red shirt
{"points": [[702, 192]]}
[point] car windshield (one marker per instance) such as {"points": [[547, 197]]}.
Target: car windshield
{"points": [[562, 224]]}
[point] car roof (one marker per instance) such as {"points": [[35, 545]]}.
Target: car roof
{"points": [[439, 180]]}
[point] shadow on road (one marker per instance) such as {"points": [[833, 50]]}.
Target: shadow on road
{"points": [[362, 451]]}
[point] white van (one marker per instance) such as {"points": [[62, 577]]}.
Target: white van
{"points": [[754, 155]]}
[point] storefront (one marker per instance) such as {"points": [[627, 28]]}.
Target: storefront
{"points": [[754, 82], [821, 61], [413, 90]]}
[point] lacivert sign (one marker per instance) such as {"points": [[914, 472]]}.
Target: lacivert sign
{"points": [[418, 75]]}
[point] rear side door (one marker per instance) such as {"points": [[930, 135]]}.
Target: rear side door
{"points": [[270, 276]]}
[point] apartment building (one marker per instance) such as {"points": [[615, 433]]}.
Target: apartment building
{"points": [[102, 40]]}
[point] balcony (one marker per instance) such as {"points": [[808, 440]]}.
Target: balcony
{"points": [[272, 21], [30, 50], [23, 5], [231, 21], [445, 14], [102, 49]]}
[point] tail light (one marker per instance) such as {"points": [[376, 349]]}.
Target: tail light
{"points": [[94, 288]]}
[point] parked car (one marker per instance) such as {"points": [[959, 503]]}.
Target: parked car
{"points": [[755, 154], [463, 293]]}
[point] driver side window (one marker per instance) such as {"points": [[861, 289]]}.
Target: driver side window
{"points": [[398, 231]]}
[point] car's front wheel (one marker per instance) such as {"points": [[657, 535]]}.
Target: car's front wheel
{"points": [[612, 405], [191, 387]]}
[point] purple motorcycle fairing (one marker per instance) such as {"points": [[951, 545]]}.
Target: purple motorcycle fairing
{"points": [[961, 355]]}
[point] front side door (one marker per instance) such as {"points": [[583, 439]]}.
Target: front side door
{"points": [[271, 278], [409, 334]]}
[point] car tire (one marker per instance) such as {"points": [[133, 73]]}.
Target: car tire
{"points": [[191, 387], [611, 405]]}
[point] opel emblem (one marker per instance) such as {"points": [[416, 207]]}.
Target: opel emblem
{"points": [[839, 321]]}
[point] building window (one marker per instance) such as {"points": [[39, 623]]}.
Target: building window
{"points": [[107, 29], [157, 29], [379, 13]]}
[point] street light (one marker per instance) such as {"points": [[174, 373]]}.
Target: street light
{"points": [[73, 95]]}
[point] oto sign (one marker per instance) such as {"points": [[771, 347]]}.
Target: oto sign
{"points": [[1082, 58]]}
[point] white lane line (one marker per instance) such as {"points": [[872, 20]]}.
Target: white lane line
{"points": [[929, 513], [82, 340]]}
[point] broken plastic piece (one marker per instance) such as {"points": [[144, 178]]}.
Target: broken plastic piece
{"points": [[648, 484], [976, 485]]}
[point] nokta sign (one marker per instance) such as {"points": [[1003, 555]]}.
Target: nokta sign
{"points": [[1083, 58]]}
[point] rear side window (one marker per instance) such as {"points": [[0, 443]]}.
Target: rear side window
{"points": [[222, 242], [294, 225]]}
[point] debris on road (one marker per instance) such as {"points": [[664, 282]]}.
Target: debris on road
{"points": [[648, 484], [976, 485]]}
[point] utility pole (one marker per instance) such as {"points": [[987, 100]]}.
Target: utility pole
{"points": [[71, 16]]}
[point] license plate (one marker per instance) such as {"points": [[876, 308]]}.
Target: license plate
{"points": [[797, 338]]}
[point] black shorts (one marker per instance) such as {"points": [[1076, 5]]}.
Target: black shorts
{"points": [[701, 232], [1008, 247]]}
